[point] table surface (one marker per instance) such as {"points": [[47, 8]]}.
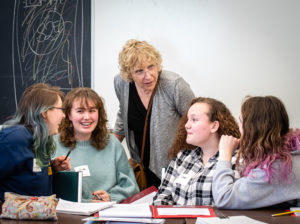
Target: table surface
{"points": [[264, 215]]}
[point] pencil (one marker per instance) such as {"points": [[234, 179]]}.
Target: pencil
{"points": [[285, 213]]}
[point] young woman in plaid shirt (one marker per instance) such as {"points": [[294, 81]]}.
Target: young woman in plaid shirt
{"points": [[188, 179]]}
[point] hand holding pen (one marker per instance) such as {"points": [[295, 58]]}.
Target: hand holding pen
{"points": [[100, 196], [67, 154], [62, 162]]}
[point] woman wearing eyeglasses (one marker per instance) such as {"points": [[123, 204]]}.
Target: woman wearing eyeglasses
{"points": [[26, 143], [141, 71]]}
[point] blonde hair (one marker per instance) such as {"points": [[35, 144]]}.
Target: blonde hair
{"points": [[135, 53]]}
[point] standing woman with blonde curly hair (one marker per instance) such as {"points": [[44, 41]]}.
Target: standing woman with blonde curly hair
{"points": [[107, 175], [141, 77], [195, 151], [269, 161]]}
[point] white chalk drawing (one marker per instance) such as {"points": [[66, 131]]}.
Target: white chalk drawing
{"points": [[47, 43]]}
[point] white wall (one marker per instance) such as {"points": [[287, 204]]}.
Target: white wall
{"points": [[224, 49]]}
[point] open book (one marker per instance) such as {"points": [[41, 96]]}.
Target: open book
{"points": [[75, 208]]}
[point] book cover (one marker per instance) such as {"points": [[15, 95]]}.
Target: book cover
{"points": [[67, 185], [139, 195]]}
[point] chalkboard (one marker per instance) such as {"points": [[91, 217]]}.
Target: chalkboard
{"points": [[43, 41]]}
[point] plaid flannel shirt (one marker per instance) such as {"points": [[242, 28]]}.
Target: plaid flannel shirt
{"points": [[187, 181]]}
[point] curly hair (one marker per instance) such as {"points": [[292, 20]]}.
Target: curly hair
{"points": [[265, 122], [100, 135], [217, 112], [136, 53], [36, 99]]}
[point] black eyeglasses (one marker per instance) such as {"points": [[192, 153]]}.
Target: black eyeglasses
{"points": [[59, 108]]}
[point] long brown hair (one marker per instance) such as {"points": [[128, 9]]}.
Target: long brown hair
{"points": [[100, 135], [265, 122], [217, 112]]}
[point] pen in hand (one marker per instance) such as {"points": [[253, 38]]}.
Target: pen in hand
{"points": [[65, 157], [68, 154], [98, 196]]}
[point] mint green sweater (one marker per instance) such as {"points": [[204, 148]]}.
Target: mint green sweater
{"points": [[109, 169]]}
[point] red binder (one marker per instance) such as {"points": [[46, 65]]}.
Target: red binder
{"points": [[139, 195], [155, 213]]}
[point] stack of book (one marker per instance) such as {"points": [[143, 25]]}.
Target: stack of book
{"points": [[138, 208]]}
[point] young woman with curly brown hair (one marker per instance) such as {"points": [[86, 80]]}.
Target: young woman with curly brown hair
{"points": [[188, 178], [106, 171]]}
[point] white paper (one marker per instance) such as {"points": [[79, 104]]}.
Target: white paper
{"points": [[127, 210], [229, 220], [36, 167], [183, 211], [84, 169], [70, 207], [147, 199], [295, 208], [130, 220], [183, 179]]}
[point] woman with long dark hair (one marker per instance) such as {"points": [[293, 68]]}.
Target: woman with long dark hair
{"points": [[268, 158]]}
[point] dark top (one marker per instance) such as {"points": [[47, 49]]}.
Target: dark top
{"points": [[16, 165], [136, 121]]}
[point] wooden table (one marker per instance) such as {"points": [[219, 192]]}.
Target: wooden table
{"points": [[264, 215]]}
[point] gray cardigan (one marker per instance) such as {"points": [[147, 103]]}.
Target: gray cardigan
{"points": [[171, 100]]}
